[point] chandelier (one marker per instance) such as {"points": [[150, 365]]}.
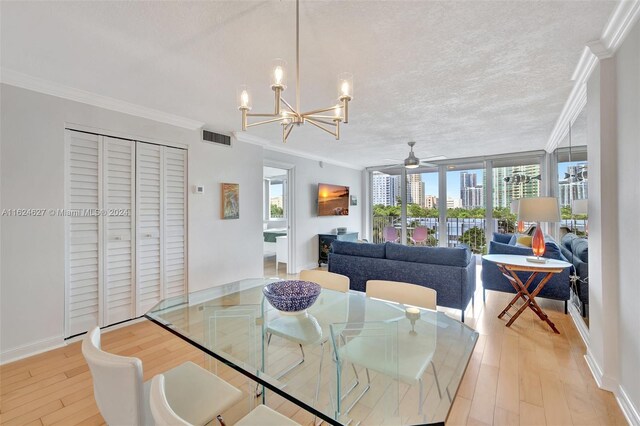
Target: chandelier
{"points": [[287, 115]]}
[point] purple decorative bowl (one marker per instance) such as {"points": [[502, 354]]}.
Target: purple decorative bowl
{"points": [[291, 295]]}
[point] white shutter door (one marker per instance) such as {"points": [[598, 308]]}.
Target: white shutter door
{"points": [[175, 197], [84, 251], [119, 225], [149, 193]]}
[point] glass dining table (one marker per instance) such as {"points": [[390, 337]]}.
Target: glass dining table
{"points": [[347, 359]]}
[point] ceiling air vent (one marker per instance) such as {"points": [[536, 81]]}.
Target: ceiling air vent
{"points": [[216, 138]]}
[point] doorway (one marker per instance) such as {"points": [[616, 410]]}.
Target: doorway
{"points": [[276, 222]]}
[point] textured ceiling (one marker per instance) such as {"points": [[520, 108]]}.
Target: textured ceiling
{"points": [[460, 78]]}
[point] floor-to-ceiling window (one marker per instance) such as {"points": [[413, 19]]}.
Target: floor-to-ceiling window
{"points": [[386, 204], [419, 205], [512, 179], [458, 202], [422, 206], [466, 203]]}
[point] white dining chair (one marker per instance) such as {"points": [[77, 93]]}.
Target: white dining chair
{"points": [[325, 279], [405, 293], [197, 395], [164, 414], [304, 330], [410, 368]]}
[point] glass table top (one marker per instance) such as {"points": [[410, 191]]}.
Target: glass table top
{"points": [[347, 359]]}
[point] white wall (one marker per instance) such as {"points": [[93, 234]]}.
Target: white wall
{"points": [[219, 251], [613, 135], [308, 173], [628, 182], [32, 176]]}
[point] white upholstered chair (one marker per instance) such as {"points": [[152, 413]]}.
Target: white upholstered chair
{"points": [[410, 368], [123, 398], [164, 414], [326, 279]]}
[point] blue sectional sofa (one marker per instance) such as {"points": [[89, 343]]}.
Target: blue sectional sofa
{"points": [[449, 271], [557, 288]]}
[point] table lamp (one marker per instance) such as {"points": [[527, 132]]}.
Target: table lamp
{"points": [[538, 209], [514, 210]]}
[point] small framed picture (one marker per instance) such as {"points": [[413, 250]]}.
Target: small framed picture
{"points": [[230, 201], [354, 200]]}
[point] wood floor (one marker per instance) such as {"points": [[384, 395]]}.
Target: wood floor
{"points": [[525, 375]]}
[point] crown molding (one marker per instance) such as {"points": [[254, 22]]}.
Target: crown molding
{"points": [[265, 144], [621, 21], [25, 81]]}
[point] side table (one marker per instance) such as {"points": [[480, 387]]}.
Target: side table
{"points": [[509, 265]]}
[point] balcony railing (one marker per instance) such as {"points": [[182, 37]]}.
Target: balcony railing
{"points": [[470, 231]]}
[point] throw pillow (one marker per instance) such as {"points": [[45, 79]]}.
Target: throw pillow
{"points": [[524, 241]]}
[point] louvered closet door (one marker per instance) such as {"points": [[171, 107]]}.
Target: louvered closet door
{"points": [[119, 225], [175, 190], [84, 251], [149, 192]]}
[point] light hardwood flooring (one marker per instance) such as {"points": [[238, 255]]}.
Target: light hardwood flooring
{"points": [[525, 375]]}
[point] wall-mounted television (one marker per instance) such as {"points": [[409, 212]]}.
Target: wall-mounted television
{"points": [[333, 200]]}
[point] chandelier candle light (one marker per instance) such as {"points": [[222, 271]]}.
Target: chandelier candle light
{"points": [[287, 115]]}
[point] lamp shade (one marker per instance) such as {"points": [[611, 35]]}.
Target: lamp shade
{"points": [[514, 206], [579, 206], [539, 209]]}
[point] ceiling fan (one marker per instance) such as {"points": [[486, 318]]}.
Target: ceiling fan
{"points": [[412, 162]]}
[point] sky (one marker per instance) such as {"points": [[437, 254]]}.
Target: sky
{"points": [[453, 182], [453, 179]]}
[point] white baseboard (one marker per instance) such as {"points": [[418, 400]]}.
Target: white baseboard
{"points": [[31, 349], [603, 381], [45, 345], [582, 328], [308, 266], [631, 412]]}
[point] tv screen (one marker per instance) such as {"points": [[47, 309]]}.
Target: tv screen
{"points": [[333, 200]]}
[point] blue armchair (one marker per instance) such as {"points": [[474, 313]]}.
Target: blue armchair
{"points": [[557, 288]]}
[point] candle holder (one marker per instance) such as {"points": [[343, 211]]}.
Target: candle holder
{"points": [[413, 314]]}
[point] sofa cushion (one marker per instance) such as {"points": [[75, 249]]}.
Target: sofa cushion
{"points": [[356, 249], [568, 239], [513, 240], [581, 249], [457, 256], [502, 238]]}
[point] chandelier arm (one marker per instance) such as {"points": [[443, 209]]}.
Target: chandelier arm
{"points": [[321, 127], [329, 123], [330, 117], [318, 111], [250, 114], [258, 123], [286, 131], [289, 106]]}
